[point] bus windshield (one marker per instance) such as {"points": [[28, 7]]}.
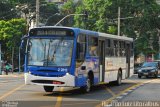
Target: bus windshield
{"points": [[50, 52]]}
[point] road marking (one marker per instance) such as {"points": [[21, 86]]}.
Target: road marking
{"points": [[110, 91], [108, 101], [4, 81], [11, 91], [83, 102], [59, 99]]}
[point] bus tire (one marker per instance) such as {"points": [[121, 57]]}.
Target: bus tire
{"points": [[119, 78], [48, 88], [87, 88]]}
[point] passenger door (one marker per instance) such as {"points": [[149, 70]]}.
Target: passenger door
{"points": [[102, 60], [127, 60]]}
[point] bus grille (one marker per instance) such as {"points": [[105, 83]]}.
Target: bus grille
{"points": [[47, 82]]}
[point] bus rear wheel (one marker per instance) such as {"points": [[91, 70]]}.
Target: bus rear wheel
{"points": [[48, 88]]}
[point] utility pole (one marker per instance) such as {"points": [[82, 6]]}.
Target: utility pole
{"points": [[119, 17], [158, 2], [37, 13], [12, 59], [19, 60], [159, 43]]}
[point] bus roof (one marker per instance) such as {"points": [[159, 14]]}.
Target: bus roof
{"points": [[106, 35], [89, 32]]}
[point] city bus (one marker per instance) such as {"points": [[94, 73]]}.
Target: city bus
{"points": [[72, 57]]}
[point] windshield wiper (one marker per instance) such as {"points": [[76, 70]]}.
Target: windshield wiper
{"points": [[56, 47], [44, 51], [48, 53]]}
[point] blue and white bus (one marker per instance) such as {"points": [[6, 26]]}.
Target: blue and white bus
{"points": [[73, 57]]}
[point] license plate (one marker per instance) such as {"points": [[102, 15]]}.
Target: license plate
{"points": [[145, 73]]}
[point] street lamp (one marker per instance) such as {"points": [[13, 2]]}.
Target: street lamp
{"points": [[68, 16], [51, 17]]}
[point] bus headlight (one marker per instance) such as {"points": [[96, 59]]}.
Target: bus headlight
{"points": [[67, 73]]}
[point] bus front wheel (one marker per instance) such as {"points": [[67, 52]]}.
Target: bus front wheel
{"points": [[48, 88], [88, 85], [87, 88]]}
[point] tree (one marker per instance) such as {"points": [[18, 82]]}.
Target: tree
{"points": [[27, 9], [69, 7], [11, 33], [49, 14], [139, 20], [143, 24], [99, 16], [7, 10]]}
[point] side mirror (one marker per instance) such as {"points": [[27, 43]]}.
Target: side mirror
{"points": [[23, 43]]}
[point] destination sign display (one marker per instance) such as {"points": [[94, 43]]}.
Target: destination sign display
{"points": [[50, 32]]}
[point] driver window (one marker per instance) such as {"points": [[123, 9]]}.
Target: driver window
{"points": [[81, 49]]}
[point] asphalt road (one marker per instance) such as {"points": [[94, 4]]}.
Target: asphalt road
{"points": [[13, 92]]}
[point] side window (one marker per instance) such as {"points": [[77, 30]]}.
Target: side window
{"points": [[123, 48], [120, 48], [116, 52], [81, 49], [93, 46], [109, 48]]}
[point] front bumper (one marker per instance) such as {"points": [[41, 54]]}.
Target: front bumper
{"points": [[68, 80], [147, 73]]}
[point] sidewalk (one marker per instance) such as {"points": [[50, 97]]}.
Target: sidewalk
{"points": [[14, 74]]}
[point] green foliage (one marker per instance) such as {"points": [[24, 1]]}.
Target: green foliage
{"points": [[97, 15], [10, 34], [7, 10], [48, 10], [111, 30], [68, 7], [139, 20]]}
